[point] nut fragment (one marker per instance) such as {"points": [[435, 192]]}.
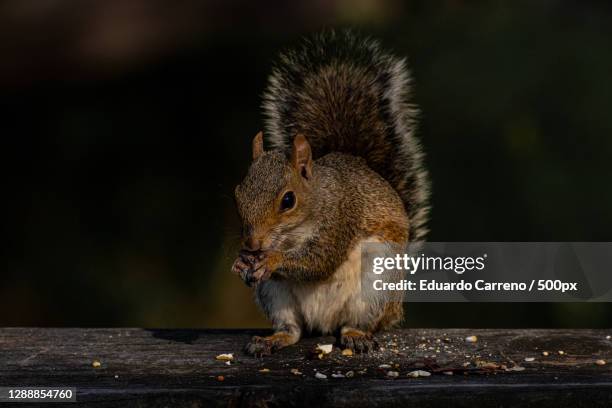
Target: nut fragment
{"points": [[529, 359], [96, 364], [325, 348], [264, 370], [392, 374], [225, 357], [419, 373], [561, 352], [600, 362], [545, 353], [295, 371], [347, 352], [320, 376]]}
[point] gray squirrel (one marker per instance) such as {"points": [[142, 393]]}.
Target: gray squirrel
{"points": [[342, 167]]}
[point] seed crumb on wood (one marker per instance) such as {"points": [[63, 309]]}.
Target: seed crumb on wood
{"points": [[325, 348], [419, 373], [225, 357]]}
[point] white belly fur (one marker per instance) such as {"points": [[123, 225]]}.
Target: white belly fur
{"points": [[327, 306]]}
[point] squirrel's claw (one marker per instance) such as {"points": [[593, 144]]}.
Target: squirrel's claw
{"points": [[259, 346], [239, 267], [260, 271], [358, 341]]}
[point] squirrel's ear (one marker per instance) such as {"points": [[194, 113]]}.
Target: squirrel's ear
{"points": [[301, 156], [258, 145]]}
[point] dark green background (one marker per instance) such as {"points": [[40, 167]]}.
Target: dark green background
{"points": [[126, 124]]}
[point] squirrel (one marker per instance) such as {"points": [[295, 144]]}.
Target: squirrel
{"points": [[343, 167]]}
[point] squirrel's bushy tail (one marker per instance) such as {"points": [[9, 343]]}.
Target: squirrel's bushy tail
{"points": [[345, 94]]}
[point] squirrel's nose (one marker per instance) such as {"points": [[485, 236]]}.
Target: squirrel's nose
{"points": [[251, 244]]}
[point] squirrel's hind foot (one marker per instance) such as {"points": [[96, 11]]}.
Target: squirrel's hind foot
{"points": [[357, 340], [265, 346]]}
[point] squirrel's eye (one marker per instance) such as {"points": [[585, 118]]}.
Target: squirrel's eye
{"points": [[288, 201]]}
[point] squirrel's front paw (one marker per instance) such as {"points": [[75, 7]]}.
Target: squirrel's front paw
{"points": [[252, 267], [249, 267], [357, 340]]}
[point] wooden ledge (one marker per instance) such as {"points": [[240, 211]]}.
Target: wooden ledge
{"points": [[142, 367]]}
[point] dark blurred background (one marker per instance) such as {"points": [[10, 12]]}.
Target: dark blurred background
{"points": [[126, 124]]}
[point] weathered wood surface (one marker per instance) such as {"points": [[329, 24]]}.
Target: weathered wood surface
{"points": [[142, 367]]}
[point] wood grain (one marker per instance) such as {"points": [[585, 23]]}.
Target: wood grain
{"points": [[141, 367]]}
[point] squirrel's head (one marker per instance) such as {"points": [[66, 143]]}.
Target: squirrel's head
{"points": [[274, 198]]}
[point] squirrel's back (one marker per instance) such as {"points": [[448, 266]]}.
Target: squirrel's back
{"points": [[347, 95]]}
